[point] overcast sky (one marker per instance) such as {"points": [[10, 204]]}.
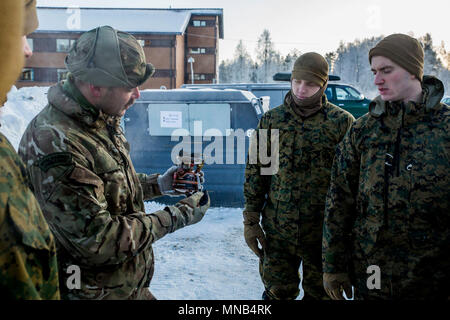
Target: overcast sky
{"points": [[305, 25]]}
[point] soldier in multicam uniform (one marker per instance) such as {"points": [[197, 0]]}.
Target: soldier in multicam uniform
{"points": [[388, 203], [28, 266], [291, 200], [83, 177]]}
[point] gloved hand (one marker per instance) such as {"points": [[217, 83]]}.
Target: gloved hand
{"points": [[335, 283], [199, 202], [253, 233], [165, 182]]}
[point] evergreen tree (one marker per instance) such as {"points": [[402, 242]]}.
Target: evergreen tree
{"points": [[349, 62], [331, 59], [266, 56], [432, 63], [242, 63]]}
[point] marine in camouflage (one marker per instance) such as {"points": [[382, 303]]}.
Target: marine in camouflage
{"points": [[28, 264], [388, 202], [84, 179], [292, 200]]}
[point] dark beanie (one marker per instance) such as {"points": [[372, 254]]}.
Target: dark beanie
{"points": [[403, 50], [312, 67]]}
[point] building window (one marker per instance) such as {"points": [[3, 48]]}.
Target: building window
{"points": [[198, 76], [27, 75], [197, 50], [63, 45], [30, 43], [62, 74], [199, 23]]}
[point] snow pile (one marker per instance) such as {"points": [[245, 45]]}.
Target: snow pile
{"points": [[207, 260], [20, 108]]}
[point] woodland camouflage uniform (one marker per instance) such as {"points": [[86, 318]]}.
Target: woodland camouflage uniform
{"points": [[389, 199], [28, 266], [83, 177], [292, 200]]}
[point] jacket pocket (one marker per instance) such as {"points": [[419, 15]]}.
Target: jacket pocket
{"points": [[280, 188], [87, 177], [321, 161], [30, 224], [319, 184], [365, 236], [283, 213]]}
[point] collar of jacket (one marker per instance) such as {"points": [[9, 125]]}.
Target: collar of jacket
{"points": [[71, 90], [290, 104], [69, 105], [432, 93]]}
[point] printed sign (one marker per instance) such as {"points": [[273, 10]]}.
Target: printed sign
{"points": [[171, 119]]}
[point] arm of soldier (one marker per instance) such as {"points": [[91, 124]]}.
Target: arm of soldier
{"points": [[27, 251], [340, 206], [73, 199], [159, 184], [187, 211], [150, 187], [256, 185], [346, 124], [78, 212]]}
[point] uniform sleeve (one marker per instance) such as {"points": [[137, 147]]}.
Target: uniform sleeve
{"points": [[28, 263], [349, 119], [27, 252], [76, 208], [256, 185], [340, 206], [149, 185]]}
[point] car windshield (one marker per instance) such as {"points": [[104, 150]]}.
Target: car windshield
{"points": [[347, 93]]}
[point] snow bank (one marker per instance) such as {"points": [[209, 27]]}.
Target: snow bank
{"points": [[207, 260], [20, 108]]}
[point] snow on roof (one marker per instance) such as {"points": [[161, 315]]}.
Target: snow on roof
{"points": [[155, 21]]}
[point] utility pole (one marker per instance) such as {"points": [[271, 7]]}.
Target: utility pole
{"points": [[191, 61]]}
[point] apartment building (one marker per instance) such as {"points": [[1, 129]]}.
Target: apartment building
{"points": [[182, 44]]}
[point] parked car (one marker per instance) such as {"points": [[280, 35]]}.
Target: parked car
{"points": [[342, 95], [446, 100], [216, 123]]}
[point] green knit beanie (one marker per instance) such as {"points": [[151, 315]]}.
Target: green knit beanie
{"points": [[403, 50], [312, 67]]}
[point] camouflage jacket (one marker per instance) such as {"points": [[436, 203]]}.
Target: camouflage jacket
{"points": [[391, 177], [295, 194], [28, 266], [83, 177]]}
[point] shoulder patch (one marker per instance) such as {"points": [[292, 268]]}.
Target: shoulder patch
{"points": [[55, 159]]}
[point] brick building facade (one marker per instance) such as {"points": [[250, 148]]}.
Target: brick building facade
{"points": [[170, 37]]}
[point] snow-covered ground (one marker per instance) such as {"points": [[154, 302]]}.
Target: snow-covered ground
{"points": [[22, 105], [206, 261]]}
